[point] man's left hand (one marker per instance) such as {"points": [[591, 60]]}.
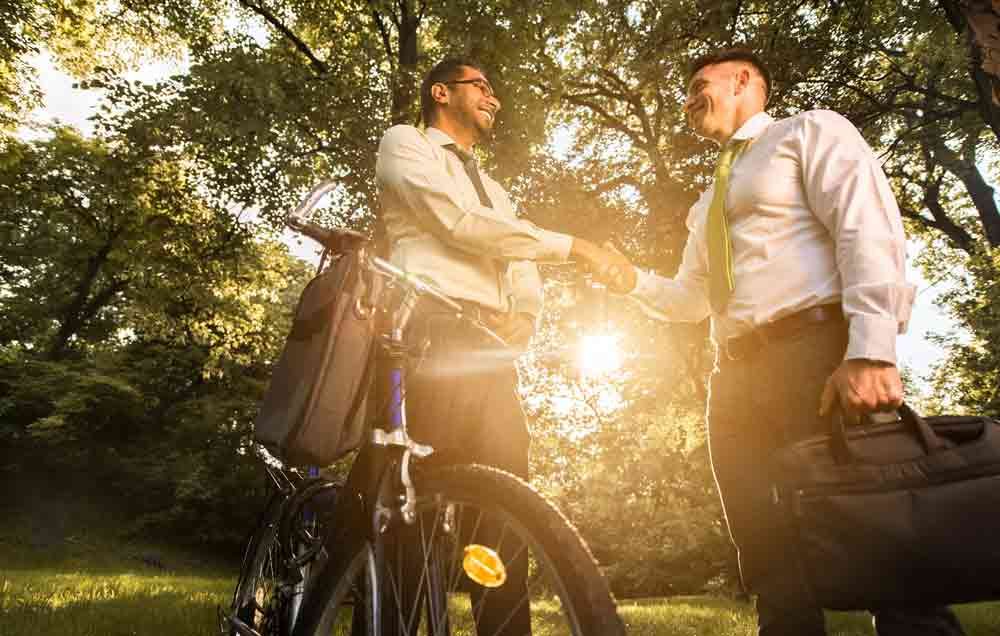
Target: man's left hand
{"points": [[515, 328], [863, 386]]}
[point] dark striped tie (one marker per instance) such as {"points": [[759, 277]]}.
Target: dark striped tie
{"points": [[472, 169]]}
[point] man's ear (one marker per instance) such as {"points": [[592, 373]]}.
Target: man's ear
{"points": [[742, 80], [439, 92]]}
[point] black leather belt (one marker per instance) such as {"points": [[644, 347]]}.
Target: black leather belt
{"points": [[741, 347], [476, 311], [430, 311]]}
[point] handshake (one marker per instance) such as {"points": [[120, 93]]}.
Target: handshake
{"points": [[609, 266]]}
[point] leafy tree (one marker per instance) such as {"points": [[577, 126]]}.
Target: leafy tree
{"points": [[143, 321]]}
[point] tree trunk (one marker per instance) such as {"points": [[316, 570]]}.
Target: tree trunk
{"points": [[81, 305], [406, 64], [979, 20], [979, 190]]}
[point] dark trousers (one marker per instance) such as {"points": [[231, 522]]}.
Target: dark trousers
{"points": [[463, 401], [756, 404]]}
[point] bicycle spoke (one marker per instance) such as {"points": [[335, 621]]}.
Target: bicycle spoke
{"points": [[456, 561], [425, 561], [394, 582], [486, 590]]}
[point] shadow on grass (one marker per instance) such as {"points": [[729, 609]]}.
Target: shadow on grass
{"points": [[108, 559]]}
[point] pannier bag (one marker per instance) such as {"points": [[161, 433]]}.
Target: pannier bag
{"points": [[897, 514], [314, 409]]}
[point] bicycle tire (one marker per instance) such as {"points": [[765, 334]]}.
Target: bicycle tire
{"points": [[257, 601], [275, 567], [341, 600], [563, 590]]}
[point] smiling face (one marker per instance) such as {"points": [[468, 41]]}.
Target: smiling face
{"points": [[467, 106], [712, 105]]}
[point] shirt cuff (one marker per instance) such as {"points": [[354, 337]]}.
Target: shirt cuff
{"points": [[644, 286], [556, 245], [872, 337]]}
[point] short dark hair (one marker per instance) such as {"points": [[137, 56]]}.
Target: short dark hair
{"points": [[446, 70], [732, 55]]}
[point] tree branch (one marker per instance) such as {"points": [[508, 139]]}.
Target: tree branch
{"points": [[302, 47], [386, 41]]}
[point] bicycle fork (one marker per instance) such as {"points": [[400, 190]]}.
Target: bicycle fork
{"points": [[396, 356]]}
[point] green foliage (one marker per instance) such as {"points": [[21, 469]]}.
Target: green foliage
{"points": [[143, 318], [967, 380]]}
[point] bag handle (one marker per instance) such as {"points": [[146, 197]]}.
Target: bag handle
{"points": [[843, 454]]}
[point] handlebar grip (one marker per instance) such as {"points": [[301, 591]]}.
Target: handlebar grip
{"points": [[335, 239]]}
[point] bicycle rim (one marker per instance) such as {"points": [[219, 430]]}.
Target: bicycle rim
{"points": [[488, 556]]}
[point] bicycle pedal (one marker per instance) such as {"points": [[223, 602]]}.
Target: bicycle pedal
{"points": [[236, 624]]}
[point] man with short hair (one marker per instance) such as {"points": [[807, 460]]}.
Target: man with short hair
{"points": [[450, 223], [797, 254]]}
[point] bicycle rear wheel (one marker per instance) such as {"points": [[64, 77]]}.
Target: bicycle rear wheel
{"points": [[550, 582], [260, 602]]}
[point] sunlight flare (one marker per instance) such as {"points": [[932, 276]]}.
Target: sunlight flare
{"points": [[599, 355]]}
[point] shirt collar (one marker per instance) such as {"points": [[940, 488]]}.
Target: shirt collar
{"points": [[439, 137], [753, 127]]}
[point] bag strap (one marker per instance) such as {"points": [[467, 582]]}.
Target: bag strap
{"points": [[930, 440], [917, 425]]}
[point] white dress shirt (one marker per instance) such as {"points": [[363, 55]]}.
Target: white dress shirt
{"points": [[439, 230], [813, 221]]}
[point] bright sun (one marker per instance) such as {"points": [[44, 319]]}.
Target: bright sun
{"points": [[599, 355]]}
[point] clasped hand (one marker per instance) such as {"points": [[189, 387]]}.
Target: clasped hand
{"points": [[609, 266]]}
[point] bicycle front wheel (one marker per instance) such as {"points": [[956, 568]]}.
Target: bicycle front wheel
{"points": [[341, 601], [488, 555]]}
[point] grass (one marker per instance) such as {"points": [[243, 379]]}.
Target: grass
{"points": [[67, 568], [42, 603], [65, 571], [134, 602]]}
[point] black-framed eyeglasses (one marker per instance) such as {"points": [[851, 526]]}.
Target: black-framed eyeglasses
{"points": [[480, 83]]}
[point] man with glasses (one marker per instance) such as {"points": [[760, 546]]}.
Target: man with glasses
{"points": [[450, 223], [797, 254]]}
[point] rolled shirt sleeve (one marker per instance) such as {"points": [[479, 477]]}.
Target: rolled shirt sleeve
{"points": [[850, 195]]}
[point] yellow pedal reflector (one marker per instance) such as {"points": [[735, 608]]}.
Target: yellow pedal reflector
{"points": [[483, 565]]}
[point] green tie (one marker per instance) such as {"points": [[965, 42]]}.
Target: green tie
{"points": [[720, 246]]}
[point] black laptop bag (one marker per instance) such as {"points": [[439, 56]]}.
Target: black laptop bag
{"points": [[314, 410], [896, 514]]}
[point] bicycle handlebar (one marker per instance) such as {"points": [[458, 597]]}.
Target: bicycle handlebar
{"points": [[335, 240], [421, 287], [341, 239]]}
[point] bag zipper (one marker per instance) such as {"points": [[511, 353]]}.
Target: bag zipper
{"points": [[861, 488]]}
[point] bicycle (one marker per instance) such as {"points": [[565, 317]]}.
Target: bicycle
{"points": [[398, 549]]}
